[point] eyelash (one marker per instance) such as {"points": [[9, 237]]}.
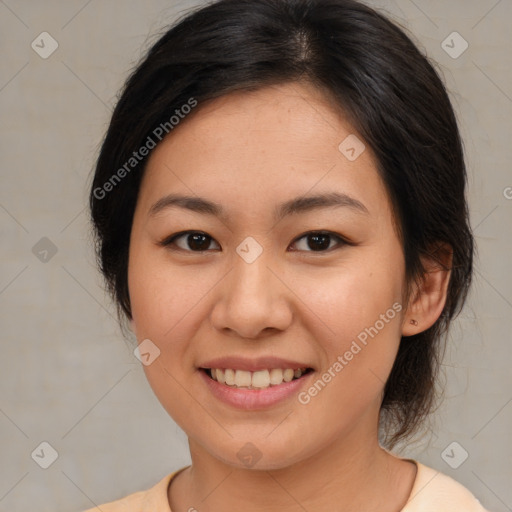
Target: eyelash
{"points": [[169, 241]]}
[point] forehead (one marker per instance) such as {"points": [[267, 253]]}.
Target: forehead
{"points": [[275, 142], [282, 116]]}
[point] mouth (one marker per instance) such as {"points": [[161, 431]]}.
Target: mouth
{"points": [[257, 380]]}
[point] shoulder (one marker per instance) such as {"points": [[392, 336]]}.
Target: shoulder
{"points": [[129, 503], [433, 490], [151, 500]]}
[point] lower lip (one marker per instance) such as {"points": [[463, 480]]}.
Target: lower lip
{"points": [[251, 399]]}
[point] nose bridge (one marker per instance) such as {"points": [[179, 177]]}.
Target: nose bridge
{"points": [[252, 298], [251, 277], [250, 284]]}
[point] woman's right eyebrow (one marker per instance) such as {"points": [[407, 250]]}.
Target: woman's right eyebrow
{"points": [[301, 204]]}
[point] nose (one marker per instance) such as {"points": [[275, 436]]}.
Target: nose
{"points": [[252, 301]]}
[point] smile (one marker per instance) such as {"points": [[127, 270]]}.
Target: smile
{"points": [[260, 379], [257, 390]]}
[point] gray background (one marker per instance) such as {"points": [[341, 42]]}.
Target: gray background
{"points": [[67, 376]]}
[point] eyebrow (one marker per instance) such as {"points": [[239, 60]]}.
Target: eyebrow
{"points": [[301, 204]]}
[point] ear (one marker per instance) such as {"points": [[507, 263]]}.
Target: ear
{"points": [[428, 297]]}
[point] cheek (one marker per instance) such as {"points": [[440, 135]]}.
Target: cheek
{"points": [[347, 300], [164, 305], [169, 304], [358, 319], [358, 358], [160, 296]]}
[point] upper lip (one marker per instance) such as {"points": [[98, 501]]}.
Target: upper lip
{"points": [[254, 364]]}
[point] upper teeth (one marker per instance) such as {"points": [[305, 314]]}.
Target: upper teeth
{"points": [[259, 379]]}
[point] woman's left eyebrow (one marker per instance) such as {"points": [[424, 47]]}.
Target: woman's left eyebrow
{"points": [[301, 204]]}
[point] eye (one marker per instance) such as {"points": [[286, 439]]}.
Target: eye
{"points": [[318, 241], [198, 241], [192, 241]]}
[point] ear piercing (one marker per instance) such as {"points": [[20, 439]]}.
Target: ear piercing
{"points": [[414, 322]]}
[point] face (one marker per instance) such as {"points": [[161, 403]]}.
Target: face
{"points": [[284, 257]]}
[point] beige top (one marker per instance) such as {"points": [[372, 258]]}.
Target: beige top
{"points": [[432, 491]]}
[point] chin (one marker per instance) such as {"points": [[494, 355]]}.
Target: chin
{"points": [[258, 454]]}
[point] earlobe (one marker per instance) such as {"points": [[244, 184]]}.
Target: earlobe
{"points": [[429, 293]]}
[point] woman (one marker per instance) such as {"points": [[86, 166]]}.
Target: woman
{"points": [[280, 212]]}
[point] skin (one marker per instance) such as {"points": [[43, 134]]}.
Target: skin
{"points": [[250, 152]]}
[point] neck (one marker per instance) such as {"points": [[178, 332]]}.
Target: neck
{"points": [[350, 474]]}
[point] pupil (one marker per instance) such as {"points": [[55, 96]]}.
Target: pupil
{"points": [[198, 242], [321, 241]]}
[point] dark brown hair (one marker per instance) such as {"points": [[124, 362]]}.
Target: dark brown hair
{"points": [[391, 94]]}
